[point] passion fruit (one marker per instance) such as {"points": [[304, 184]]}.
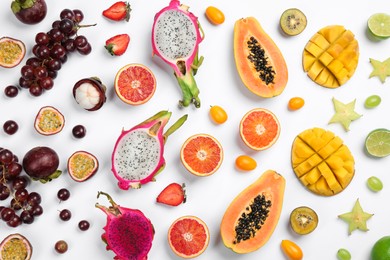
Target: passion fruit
{"points": [[303, 220], [49, 121], [15, 246], [90, 93], [12, 52], [82, 166]]}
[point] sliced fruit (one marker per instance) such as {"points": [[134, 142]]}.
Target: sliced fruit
{"points": [[201, 154], [379, 25], [173, 195], [259, 62], [12, 52], [82, 166], [49, 121], [293, 21], [331, 56], [259, 129], [119, 11], [303, 220], [345, 113], [135, 84], [381, 69], [252, 216], [356, 219], [188, 236], [322, 162], [378, 143], [15, 246], [117, 45]]}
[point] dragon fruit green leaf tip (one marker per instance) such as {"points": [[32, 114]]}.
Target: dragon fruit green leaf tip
{"points": [[128, 232], [176, 35], [138, 154]]}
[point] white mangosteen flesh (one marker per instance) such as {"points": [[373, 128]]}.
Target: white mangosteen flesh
{"points": [[87, 96]]}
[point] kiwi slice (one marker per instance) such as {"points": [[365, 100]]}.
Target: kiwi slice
{"points": [[303, 220], [293, 21]]}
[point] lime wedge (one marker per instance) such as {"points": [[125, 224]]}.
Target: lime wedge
{"points": [[378, 143], [379, 25]]}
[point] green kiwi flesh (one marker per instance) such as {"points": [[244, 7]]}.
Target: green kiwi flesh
{"points": [[293, 21], [303, 220]]}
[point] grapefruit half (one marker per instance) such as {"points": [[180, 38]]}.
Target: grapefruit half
{"points": [[201, 154], [188, 236], [259, 129], [135, 84]]}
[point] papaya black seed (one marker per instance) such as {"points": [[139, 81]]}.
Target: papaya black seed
{"points": [[260, 61], [252, 220]]}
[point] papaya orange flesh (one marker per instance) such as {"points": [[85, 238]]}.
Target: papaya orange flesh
{"points": [[259, 62], [252, 216]]}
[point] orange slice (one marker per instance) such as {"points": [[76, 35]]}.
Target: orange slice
{"points": [[201, 154], [188, 236], [135, 84], [259, 129]]}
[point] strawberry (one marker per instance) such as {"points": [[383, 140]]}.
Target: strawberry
{"points": [[118, 11], [117, 45], [173, 195]]}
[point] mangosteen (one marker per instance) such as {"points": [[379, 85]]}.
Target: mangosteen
{"points": [[41, 163], [90, 93], [29, 11]]}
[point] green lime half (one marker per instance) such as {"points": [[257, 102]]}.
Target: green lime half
{"points": [[378, 143], [379, 25]]}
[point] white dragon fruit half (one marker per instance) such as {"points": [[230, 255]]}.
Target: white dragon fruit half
{"points": [[138, 154], [176, 36]]}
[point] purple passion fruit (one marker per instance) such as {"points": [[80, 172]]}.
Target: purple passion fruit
{"points": [[12, 52], [29, 11], [49, 121], [41, 163], [15, 246], [90, 93], [303, 220], [82, 166]]}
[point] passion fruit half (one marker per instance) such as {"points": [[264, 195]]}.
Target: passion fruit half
{"points": [[303, 220], [49, 121], [15, 246], [12, 52], [82, 166]]}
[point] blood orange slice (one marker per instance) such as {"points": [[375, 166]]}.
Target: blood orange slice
{"points": [[188, 236], [201, 154], [135, 84], [259, 129]]}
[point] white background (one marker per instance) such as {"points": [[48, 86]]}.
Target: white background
{"points": [[219, 85]]}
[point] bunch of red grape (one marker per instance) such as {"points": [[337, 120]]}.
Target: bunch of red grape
{"points": [[51, 52], [13, 184]]}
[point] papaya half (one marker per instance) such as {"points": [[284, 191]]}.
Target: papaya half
{"points": [[252, 216], [259, 62]]}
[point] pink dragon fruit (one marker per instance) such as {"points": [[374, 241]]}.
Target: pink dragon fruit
{"points": [[128, 232], [138, 155], [176, 35]]}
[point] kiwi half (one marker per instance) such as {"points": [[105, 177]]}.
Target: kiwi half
{"points": [[303, 220], [293, 21]]}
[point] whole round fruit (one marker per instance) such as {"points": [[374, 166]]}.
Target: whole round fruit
{"points": [[303, 220], [79, 131], [381, 249], [295, 103], [343, 254], [135, 84], [246, 163], [10, 127], [218, 114], [214, 15], [29, 12], [61, 246], [41, 163], [83, 225]]}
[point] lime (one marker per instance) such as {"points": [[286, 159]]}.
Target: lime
{"points": [[379, 25], [381, 249], [378, 142]]}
